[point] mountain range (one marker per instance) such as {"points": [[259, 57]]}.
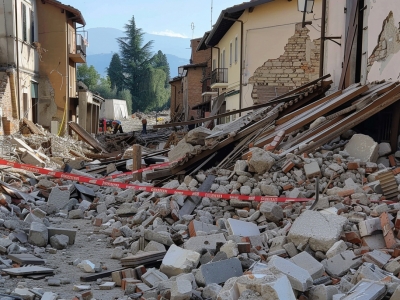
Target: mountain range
{"points": [[103, 44]]}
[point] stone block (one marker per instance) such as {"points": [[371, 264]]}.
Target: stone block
{"points": [[58, 198], [338, 247], [181, 290], [312, 170], [384, 149], [38, 234], [75, 214], [178, 260], [362, 147], [271, 211], [230, 248], [241, 228], [209, 242], [59, 241], [71, 233], [322, 292], [153, 276], [30, 158], [197, 136], [219, 272], [319, 230], [211, 291], [299, 278], [180, 150], [376, 257], [310, 264], [393, 266], [260, 161], [160, 237], [195, 226], [366, 290], [154, 246], [341, 263]]}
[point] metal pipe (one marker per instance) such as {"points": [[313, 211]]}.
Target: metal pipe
{"points": [[241, 61], [322, 46]]}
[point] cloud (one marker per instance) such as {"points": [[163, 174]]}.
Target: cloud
{"points": [[170, 33]]}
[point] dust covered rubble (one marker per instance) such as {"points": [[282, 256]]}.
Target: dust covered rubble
{"points": [[223, 249]]}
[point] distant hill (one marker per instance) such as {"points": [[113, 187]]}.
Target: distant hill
{"points": [[103, 43], [102, 61]]}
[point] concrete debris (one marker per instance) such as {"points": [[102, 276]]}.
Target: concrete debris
{"points": [[131, 244]]}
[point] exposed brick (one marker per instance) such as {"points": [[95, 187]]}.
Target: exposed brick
{"points": [[345, 193], [353, 165]]}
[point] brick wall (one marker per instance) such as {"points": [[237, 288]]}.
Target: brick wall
{"points": [[200, 56], [194, 89], [6, 102], [298, 65]]}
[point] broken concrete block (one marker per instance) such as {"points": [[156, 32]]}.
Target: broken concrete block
{"points": [[75, 214], [59, 241], [310, 264], [338, 247], [30, 158], [269, 190], [58, 198], [341, 263], [107, 286], [178, 260], [260, 161], [219, 272], [181, 290], [38, 234], [71, 233], [322, 292], [366, 290], [211, 291], [241, 228], [299, 278], [319, 230], [377, 257], [195, 226], [393, 266], [209, 242], [154, 246], [312, 170], [152, 276], [384, 149], [230, 248], [271, 211], [197, 136], [362, 147], [160, 237], [180, 150]]}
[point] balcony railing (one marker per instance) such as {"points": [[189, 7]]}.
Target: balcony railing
{"points": [[81, 44], [206, 86], [219, 75]]}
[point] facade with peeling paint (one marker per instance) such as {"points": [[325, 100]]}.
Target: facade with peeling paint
{"points": [[277, 53]]}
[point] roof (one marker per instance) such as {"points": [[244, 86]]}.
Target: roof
{"points": [[202, 44], [178, 78], [78, 17], [203, 64], [222, 25]]}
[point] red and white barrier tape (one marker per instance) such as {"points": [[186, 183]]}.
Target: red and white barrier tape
{"points": [[152, 167], [102, 182]]}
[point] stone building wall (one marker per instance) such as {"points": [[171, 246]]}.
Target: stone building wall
{"points": [[298, 65]]}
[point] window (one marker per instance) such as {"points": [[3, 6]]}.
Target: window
{"points": [[236, 49], [230, 54], [24, 23], [32, 27]]}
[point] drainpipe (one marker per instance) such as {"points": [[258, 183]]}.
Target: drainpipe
{"points": [[322, 46], [241, 61], [17, 48]]}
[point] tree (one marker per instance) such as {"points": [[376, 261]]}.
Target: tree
{"points": [[115, 73], [126, 95], [88, 75], [160, 62], [104, 89], [136, 59]]}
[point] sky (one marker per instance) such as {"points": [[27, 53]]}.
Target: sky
{"points": [[163, 17]]}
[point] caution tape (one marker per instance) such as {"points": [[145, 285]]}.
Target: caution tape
{"points": [[103, 182], [152, 167]]}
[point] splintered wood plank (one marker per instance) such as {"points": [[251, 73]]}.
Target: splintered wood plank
{"points": [[85, 136], [32, 127], [313, 114]]}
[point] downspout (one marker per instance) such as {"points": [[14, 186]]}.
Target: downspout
{"points": [[17, 48], [322, 46], [241, 61]]}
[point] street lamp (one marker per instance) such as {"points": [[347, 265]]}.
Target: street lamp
{"points": [[305, 6]]}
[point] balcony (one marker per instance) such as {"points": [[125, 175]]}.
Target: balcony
{"points": [[206, 88], [219, 78], [79, 55]]}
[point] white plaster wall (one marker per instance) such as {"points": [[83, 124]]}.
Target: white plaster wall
{"points": [[377, 12]]}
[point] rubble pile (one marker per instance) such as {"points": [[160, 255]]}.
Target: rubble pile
{"points": [[340, 244]]}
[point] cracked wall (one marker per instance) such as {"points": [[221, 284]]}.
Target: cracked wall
{"points": [[298, 65], [383, 42], [47, 106]]}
